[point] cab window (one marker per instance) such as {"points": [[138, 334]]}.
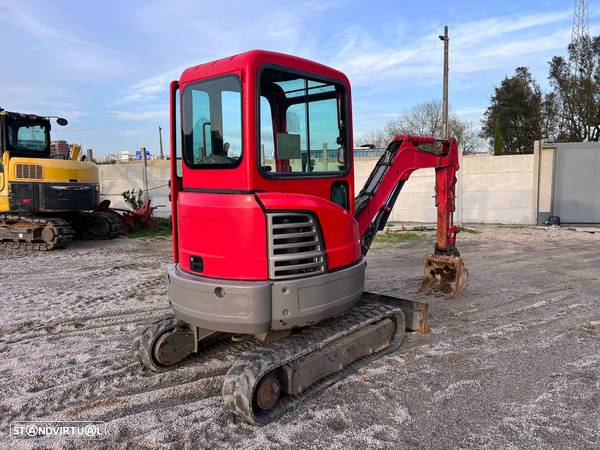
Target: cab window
{"points": [[302, 125], [27, 137], [212, 123]]}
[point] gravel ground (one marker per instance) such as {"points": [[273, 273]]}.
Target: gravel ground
{"points": [[514, 362]]}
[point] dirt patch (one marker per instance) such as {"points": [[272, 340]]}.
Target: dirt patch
{"points": [[513, 362]]}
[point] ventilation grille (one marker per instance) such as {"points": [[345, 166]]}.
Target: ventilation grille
{"points": [[295, 247], [30, 171]]}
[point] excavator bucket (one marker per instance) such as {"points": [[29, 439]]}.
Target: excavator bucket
{"points": [[444, 275]]}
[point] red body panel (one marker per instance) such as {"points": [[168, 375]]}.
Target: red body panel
{"points": [[174, 182], [227, 230], [338, 227]]}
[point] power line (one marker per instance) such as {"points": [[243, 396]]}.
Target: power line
{"points": [[487, 16], [150, 189], [471, 24], [452, 17]]}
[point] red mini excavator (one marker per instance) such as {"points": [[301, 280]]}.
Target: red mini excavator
{"points": [[269, 239]]}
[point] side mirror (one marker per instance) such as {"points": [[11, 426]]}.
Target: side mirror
{"points": [[62, 122], [340, 155]]}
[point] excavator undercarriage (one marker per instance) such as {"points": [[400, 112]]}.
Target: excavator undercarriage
{"points": [[274, 376], [34, 232], [40, 232]]}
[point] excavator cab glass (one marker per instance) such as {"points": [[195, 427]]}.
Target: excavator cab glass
{"points": [[212, 125], [302, 125], [31, 137]]}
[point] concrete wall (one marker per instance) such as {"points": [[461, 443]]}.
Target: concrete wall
{"points": [[497, 189], [415, 202], [120, 177], [490, 189]]}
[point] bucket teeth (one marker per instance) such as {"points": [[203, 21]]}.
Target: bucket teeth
{"points": [[444, 275]]}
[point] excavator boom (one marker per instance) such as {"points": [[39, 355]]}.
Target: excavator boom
{"points": [[445, 272]]}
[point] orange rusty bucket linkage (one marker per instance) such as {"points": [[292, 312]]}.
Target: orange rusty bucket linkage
{"points": [[445, 272]]}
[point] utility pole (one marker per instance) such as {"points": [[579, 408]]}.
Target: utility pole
{"points": [[162, 156], [445, 95], [144, 173]]}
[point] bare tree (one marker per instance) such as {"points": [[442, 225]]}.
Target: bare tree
{"points": [[378, 138], [424, 119]]}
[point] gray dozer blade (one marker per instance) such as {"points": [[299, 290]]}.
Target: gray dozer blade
{"points": [[416, 313], [444, 275]]}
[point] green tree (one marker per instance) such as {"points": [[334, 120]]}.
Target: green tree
{"points": [[498, 139], [576, 83], [517, 110]]}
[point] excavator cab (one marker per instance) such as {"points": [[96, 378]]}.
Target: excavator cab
{"points": [[269, 238]]}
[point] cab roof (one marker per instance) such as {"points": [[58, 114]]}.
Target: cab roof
{"points": [[22, 116], [250, 62]]}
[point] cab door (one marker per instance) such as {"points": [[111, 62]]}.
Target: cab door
{"points": [[304, 135]]}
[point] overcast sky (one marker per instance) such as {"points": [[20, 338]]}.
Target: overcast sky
{"points": [[106, 65]]}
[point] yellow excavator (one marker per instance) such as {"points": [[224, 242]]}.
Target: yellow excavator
{"points": [[46, 202]]}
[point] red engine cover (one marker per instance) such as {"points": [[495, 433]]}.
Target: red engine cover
{"points": [[228, 231]]}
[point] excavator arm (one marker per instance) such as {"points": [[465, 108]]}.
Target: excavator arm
{"points": [[445, 272]]}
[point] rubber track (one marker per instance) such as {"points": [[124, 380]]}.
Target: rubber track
{"points": [[145, 338], [63, 233], [115, 226], [245, 374]]}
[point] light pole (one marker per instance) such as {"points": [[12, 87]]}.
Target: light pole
{"points": [[144, 172], [162, 155], [446, 39]]}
